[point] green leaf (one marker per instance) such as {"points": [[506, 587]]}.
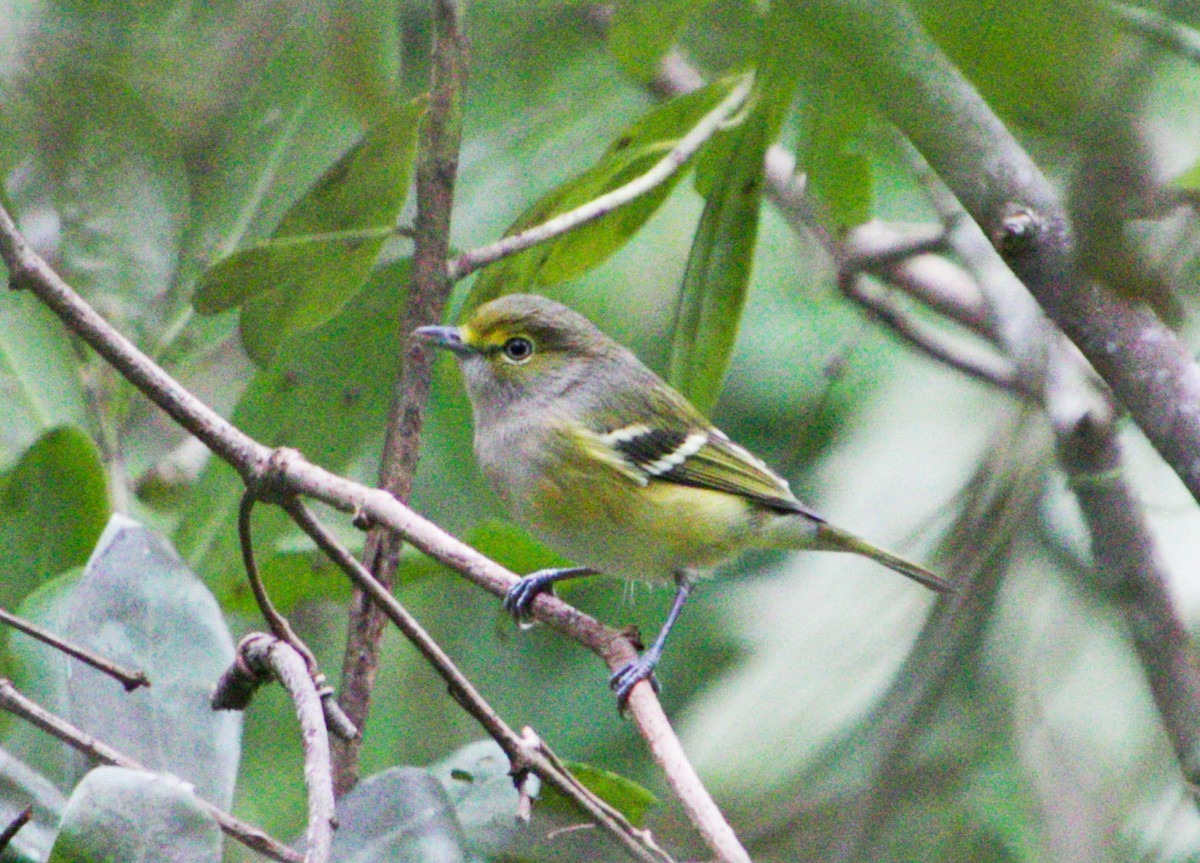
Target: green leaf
{"points": [[366, 63], [326, 394], [838, 176], [626, 796], [326, 245], [53, 506], [718, 271], [477, 781], [40, 385], [116, 814], [401, 814], [635, 151], [138, 605], [1189, 179], [267, 266], [641, 33], [285, 132], [121, 194], [1038, 62]]}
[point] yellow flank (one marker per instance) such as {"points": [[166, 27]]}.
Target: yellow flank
{"points": [[638, 531]]}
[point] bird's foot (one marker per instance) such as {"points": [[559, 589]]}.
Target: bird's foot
{"points": [[623, 681], [519, 600]]}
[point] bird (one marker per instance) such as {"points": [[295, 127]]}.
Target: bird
{"points": [[603, 461]]}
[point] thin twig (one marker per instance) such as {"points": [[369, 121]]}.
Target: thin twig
{"points": [[14, 826], [988, 367], [521, 755], [676, 158], [265, 657], [436, 170], [1131, 571], [19, 705], [131, 680], [1167, 32], [338, 722], [276, 622]]}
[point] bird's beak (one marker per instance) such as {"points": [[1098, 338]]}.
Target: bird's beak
{"points": [[443, 337]]}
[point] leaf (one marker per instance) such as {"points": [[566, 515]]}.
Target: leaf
{"points": [[21, 786], [136, 604], [718, 271], [477, 781], [119, 189], [366, 63], [641, 33], [326, 244], [116, 814], [268, 265], [285, 132], [635, 151], [40, 385], [53, 506], [626, 796], [837, 175], [1039, 63], [401, 814], [326, 394]]}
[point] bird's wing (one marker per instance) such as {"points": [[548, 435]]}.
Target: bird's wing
{"points": [[701, 457]]}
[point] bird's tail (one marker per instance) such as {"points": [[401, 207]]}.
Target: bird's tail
{"points": [[830, 538]]}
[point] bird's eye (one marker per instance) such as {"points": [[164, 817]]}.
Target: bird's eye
{"points": [[518, 349]]}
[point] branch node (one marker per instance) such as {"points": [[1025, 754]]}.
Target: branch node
{"points": [[337, 720], [267, 481], [1019, 230], [236, 687]]}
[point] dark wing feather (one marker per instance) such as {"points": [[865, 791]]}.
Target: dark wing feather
{"points": [[722, 465]]}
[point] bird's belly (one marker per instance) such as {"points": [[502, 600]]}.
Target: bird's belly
{"points": [[611, 525]]}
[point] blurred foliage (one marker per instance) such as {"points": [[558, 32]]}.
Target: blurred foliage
{"points": [[174, 156]]}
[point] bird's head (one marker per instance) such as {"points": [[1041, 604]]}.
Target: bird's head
{"points": [[521, 347]]}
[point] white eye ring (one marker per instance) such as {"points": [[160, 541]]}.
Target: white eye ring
{"points": [[517, 349]]}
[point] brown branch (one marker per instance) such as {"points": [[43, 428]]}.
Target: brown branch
{"points": [[131, 680], [437, 167], [14, 826], [524, 756], [19, 705], [1131, 575], [261, 658], [1147, 366], [280, 627]]}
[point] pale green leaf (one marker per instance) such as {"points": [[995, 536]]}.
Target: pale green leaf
{"points": [[137, 605], [130, 816]]}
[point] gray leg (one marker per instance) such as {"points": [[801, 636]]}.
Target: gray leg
{"points": [[643, 668], [519, 600]]}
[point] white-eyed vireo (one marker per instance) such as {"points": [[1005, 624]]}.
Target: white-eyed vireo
{"points": [[597, 456]]}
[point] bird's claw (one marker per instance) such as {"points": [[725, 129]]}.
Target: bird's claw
{"points": [[518, 602], [625, 678]]}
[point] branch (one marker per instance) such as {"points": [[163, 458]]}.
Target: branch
{"points": [[1147, 366], [297, 476], [522, 757], [340, 724], [13, 827], [249, 835], [676, 158], [131, 680], [1160, 29], [1132, 574], [437, 167], [261, 658]]}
